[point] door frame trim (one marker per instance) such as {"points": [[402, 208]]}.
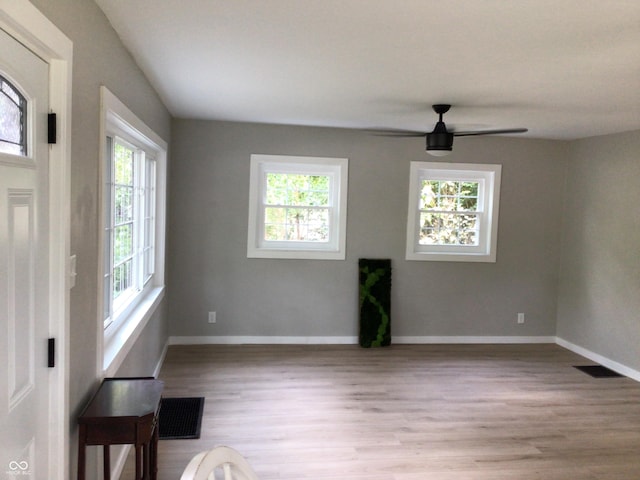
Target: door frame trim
{"points": [[27, 24]]}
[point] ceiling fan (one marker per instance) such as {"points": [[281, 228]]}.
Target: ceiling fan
{"points": [[440, 140]]}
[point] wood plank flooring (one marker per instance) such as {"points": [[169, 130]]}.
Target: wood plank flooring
{"points": [[406, 412]]}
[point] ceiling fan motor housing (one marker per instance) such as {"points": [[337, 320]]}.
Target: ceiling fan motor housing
{"points": [[440, 138]]}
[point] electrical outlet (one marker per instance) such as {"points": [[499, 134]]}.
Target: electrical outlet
{"points": [[212, 317], [521, 318]]}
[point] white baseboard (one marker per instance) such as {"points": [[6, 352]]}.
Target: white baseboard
{"points": [[273, 340], [261, 340], [471, 339], [604, 361]]}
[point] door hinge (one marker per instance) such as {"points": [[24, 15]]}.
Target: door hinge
{"points": [[51, 354], [52, 129]]}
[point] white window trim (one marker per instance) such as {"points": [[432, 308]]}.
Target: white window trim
{"points": [[115, 342], [487, 174], [335, 248]]}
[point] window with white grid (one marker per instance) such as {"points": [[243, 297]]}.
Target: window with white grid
{"points": [[130, 224], [453, 212], [134, 164], [297, 207]]}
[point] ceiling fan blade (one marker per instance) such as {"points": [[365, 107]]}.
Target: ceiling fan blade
{"points": [[396, 133], [490, 132]]}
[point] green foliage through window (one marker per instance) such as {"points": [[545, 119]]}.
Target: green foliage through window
{"points": [[448, 213], [132, 223], [123, 248], [297, 207]]}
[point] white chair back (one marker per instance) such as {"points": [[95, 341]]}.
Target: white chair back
{"points": [[222, 459]]}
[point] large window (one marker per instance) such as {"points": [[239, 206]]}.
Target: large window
{"points": [[297, 207], [453, 212], [129, 199], [133, 198]]}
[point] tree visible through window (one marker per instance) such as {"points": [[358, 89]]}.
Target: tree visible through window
{"points": [[13, 119], [129, 201], [297, 207], [123, 223], [453, 212], [449, 213]]}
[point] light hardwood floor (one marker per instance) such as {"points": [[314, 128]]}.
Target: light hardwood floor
{"points": [[406, 412]]}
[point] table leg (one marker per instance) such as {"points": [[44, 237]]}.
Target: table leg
{"points": [[145, 467], [106, 467], [82, 448], [154, 454]]}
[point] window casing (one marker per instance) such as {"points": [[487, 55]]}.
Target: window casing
{"points": [[297, 207], [133, 196], [453, 212]]}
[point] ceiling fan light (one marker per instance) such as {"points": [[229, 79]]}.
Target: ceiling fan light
{"points": [[439, 153]]}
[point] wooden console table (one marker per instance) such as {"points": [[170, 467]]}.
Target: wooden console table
{"points": [[123, 411]]}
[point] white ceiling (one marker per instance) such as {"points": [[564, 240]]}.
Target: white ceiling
{"points": [[564, 69]]}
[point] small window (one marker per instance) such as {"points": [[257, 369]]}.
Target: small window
{"points": [[453, 212], [13, 119], [297, 207]]}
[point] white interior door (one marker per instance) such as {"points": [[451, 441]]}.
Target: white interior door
{"points": [[24, 268]]}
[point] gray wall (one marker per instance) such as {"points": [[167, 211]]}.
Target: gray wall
{"points": [[208, 234], [599, 294], [99, 58], [598, 297]]}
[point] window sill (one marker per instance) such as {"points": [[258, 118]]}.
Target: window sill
{"points": [[451, 257], [296, 254], [118, 343]]}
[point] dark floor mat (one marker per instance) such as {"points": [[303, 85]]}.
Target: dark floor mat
{"points": [[180, 418], [598, 371]]}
